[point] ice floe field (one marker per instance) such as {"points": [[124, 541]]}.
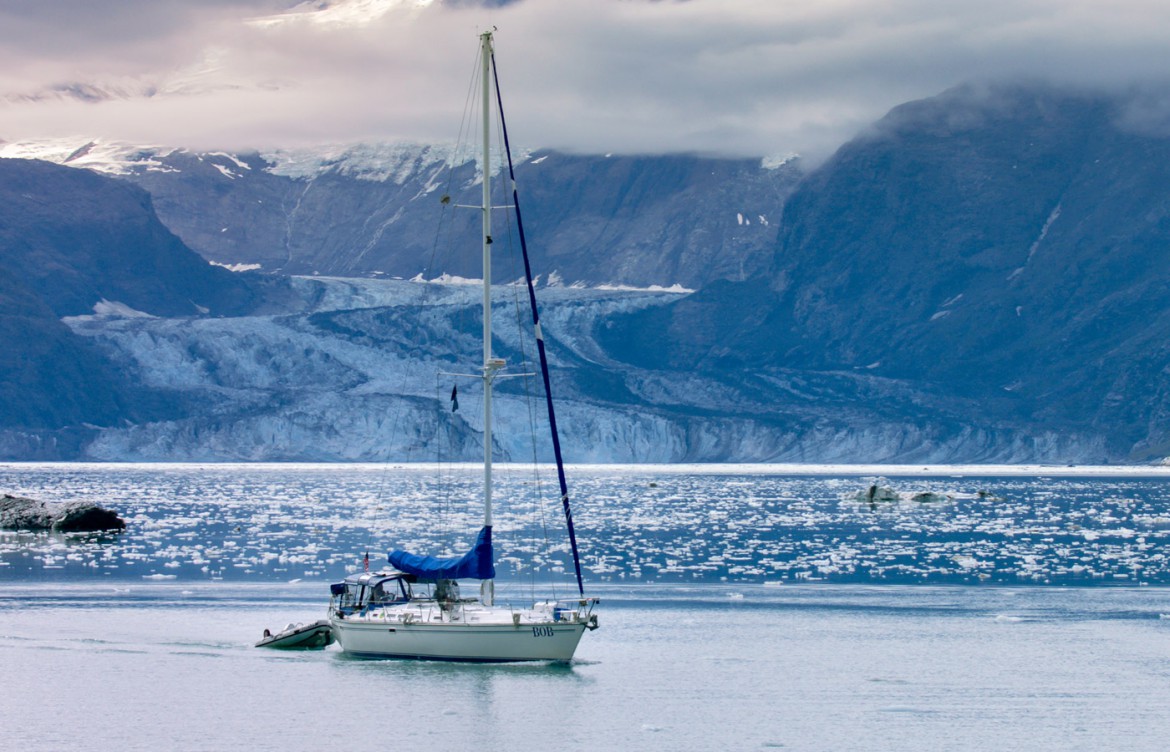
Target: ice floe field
{"points": [[766, 525]]}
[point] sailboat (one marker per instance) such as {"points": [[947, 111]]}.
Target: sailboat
{"points": [[414, 609]]}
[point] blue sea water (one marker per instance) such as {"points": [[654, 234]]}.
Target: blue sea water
{"points": [[756, 610]]}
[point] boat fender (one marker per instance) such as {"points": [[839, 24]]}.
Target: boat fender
{"points": [[515, 620], [267, 633], [592, 623]]}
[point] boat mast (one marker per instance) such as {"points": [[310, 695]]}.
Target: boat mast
{"points": [[490, 365]]}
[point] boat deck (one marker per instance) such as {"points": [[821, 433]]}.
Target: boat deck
{"points": [[468, 612]]}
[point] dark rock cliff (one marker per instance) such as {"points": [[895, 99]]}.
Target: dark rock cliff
{"points": [[1006, 246]]}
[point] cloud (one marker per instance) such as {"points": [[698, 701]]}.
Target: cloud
{"points": [[734, 77]]}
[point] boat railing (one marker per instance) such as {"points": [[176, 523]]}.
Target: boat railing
{"points": [[575, 610], [577, 603]]}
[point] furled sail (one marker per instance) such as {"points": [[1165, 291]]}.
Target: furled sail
{"points": [[476, 564]]}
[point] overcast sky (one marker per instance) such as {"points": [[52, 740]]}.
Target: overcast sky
{"points": [[731, 77]]}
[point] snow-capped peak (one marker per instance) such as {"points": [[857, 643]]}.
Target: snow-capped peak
{"points": [[111, 157]]}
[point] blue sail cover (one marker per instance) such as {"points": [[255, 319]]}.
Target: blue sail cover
{"points": [[476, 564]]}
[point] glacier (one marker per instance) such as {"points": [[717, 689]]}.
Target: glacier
{"points": [[362, 370]]}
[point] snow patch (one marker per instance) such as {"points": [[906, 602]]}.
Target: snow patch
{"points": [[445, 279], [233, 158], [114, 309], [1052, 217], [395, 162], [235, 267], [112, 158], [675, 288], [776, 161], [225, 171], [741, 220], [1055, 215]]}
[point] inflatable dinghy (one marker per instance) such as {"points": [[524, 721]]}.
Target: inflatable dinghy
{"points": [[299, 637]]}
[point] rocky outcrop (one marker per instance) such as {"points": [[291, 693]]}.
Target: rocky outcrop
{"points": [[18, 513]]}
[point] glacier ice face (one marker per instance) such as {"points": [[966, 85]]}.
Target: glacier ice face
{"points": [[362, 370]]}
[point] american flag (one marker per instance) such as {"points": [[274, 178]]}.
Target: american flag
{"points": [[366, 561]]}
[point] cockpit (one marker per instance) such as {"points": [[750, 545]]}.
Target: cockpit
{"points": [[368, 589]]}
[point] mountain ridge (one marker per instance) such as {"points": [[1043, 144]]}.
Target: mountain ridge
{"points": [[1003, 244], [69, 241], [980, 276], [677, 219]]}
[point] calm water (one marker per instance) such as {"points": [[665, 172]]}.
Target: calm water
{"points": [[768, 612]]}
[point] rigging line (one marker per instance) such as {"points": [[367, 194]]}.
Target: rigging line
{"points": [[537, 496], [459, 312], [552, 419], [442, 246], [453, 161]]}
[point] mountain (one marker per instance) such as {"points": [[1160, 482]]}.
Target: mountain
{"points": [[979, 277], [375, 210], [1002, 246], [72, 241], [337, 369], [74, 238]]}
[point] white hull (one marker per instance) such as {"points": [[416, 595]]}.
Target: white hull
{"points": [[478, 634]]}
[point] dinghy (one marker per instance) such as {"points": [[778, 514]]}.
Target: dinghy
{"points": [[313, 636]]}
